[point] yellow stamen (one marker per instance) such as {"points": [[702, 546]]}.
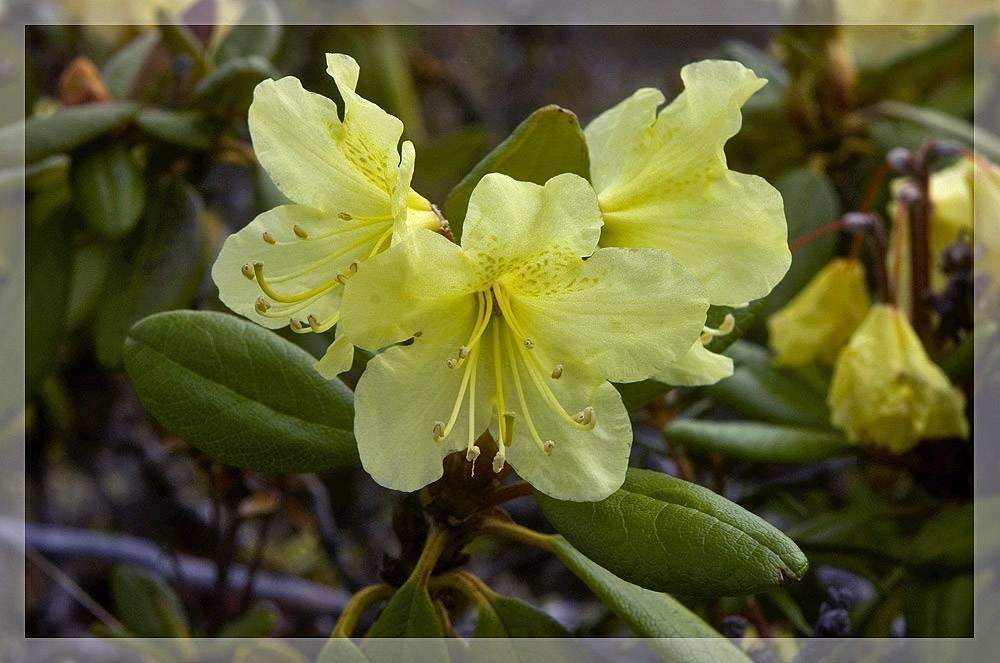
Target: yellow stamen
{"points": [[498, 378], [268, 237], [300, 232], [258, 269], [247, 270], [520, 394]]}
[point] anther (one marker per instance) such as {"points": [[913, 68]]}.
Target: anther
{"points": [[452, 362], [342, 279], [247, 270], [557, 371], [528, 343], [261, 305], [295, 324], [344, 216], [472, 453], [354, 267], [268, 237], [498, 462], [299, 231], [547, 447], [584, 416], [313, 323], [438, 430], [463, 351], [728, 325]]}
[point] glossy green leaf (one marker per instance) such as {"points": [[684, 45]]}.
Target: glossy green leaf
{"points": [[240, 393], [109, 190], [506, 617], [256, 32], [181, 41], [670, 535], [190, 129], [49, 259], [229, 89], [162, 272], [650, 614], [638, 394], [146, 605], [549, 142], [758, 390], [257, 622], [756, 442], [409, 614], [69, 128], [810, 203], [125, 67]]}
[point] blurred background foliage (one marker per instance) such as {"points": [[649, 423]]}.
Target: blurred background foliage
{"points": [[139, 164]]}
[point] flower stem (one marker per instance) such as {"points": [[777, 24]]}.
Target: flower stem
{"points": [[433, 547], [510, 492], [920, 211], [356, 607], [515, 532], [465, 583]]}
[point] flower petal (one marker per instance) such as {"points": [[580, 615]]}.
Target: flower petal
{"points": [[319, 161], [617, 137], [291, 264], [414, 287], [404, 391], [337, 359], [584, 465], [674, 191], [697, 368], [409, 209], [623, 313], [509, 221]]}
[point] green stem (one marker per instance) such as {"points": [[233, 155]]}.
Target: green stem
{"points": [[356, 607], [465, 583], [433, 547], [515, 532]]}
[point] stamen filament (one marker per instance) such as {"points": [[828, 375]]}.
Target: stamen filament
{"points": [[498, 378], [258, 269], [520, 394], [380, 242], [453, 418], [325, 259]]}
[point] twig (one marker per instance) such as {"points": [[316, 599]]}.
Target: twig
{"points": [[510, 492], [255, 561], [197, 573], [326, 526], [73, 589]]}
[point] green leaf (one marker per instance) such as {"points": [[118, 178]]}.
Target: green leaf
{"points": [[945, 541], [123, 69], [942, 125], [49, 260], [670, 535], [549, 142], [146, 605], [409, 614], [161, 273], [69, 128], [267, 651], [445, 160], [91, 265], [257, 622], [650, 614], [256, 32], [939, 608], [180, 41], [240, 393], [758, 390], [340, 650], [506, 617], [639, 394], [756, 442], [190, 129], [109, 190], [229, 89], [810, 203]]}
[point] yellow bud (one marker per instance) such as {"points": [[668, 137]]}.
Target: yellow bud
{"points": [[819, 321], [887, 392]]}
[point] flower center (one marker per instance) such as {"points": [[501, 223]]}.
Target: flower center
{"points": [[513, 348]]}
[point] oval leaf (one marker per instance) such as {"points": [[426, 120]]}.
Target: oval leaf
{"points": [[650, 614], [47, 285], [239, 392], [670, 535], [108, 189], [758, 390], [146, 605], [506, 617], [229, 89], [69, 128], [123, 69], [257, 32], [756, 442], [549, 142], [189, 129]]}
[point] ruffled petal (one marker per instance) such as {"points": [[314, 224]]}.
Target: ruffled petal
{"points": [[337, 359], [623, 313], [697, 368]]}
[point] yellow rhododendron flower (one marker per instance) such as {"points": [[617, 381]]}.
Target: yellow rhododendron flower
{"points": [[820, 319], [351, 194], [951, 217], [662, 182], [513, 331], [887, 392]]}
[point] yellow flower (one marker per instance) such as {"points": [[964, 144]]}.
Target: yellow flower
{"points": [[887, 392], [513, 331], [987, 212], [351, 196], [819, 321], [662, 182], [951, 217], [115, 21]]}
